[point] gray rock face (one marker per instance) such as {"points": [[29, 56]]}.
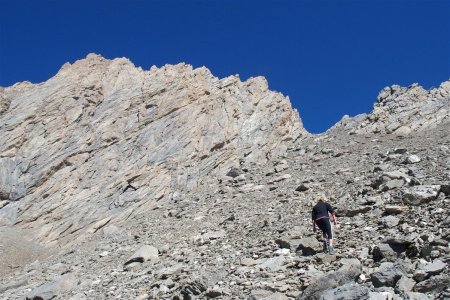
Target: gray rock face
{"points": [[401, 110], [103, 140]]}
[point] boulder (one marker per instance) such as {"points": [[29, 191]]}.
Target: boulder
{"points": [[403, 131], [412, 159], [445, 189], [385, 251], [434, 268], [390, 221], [353, 211], [386, 275], [433, 284], [309, 246], [404, 284], [392, 184], [273, 263], [144, 253], [302, 188], [234, 172], [54, 289], [345, 275], [420, 194], [350, 291]]}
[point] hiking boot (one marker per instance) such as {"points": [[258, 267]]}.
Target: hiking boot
{"points": [[331, 250], [325, 247]]}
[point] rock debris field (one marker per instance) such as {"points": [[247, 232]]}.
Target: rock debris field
{"points": [[120, 183]]}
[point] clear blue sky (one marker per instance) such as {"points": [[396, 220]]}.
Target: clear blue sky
{"points": [[330, 57]]}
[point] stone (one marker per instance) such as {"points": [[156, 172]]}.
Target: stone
{"points": [[353, 211], [283, 244], [400, 150], [412, 159], [52, 289], [144, 253], [325, 258], [349, 291], [433, 284], [248, 262], [421, 194], [392, 184], [346, 274], [213, 293], [302, 188], [395, 175], [403, 131], [309, 246], [273, 263], [281, 167], [396, 209], [350, 261], [390, 221], [385, 251], [234, 172], [386, 275], [445, 188], [404, 284], [436, 267]]}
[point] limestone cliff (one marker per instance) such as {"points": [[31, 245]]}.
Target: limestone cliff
{"points": [[402, 110], [103, 140]]}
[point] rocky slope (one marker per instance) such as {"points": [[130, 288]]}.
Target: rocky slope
{"points": [[172, 184]]}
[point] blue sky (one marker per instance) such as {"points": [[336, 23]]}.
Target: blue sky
{"points": [[330, 57]]}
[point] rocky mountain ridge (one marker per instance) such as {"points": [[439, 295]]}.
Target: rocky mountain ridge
{"points": [[104, 139], [173, 184]]}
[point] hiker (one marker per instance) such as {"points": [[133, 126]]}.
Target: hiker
{"points": [[321, 217]]}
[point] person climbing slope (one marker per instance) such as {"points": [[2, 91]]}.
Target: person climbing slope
{"points": [[321, 217]]}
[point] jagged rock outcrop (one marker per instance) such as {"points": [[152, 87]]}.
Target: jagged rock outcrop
{"points": [[103, 140], [402, 110]]}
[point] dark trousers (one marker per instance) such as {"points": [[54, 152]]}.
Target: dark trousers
{"points": [[325, 225]]}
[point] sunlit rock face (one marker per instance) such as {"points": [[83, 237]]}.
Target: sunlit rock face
{"points": [[402, 110], [104, 140]]}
